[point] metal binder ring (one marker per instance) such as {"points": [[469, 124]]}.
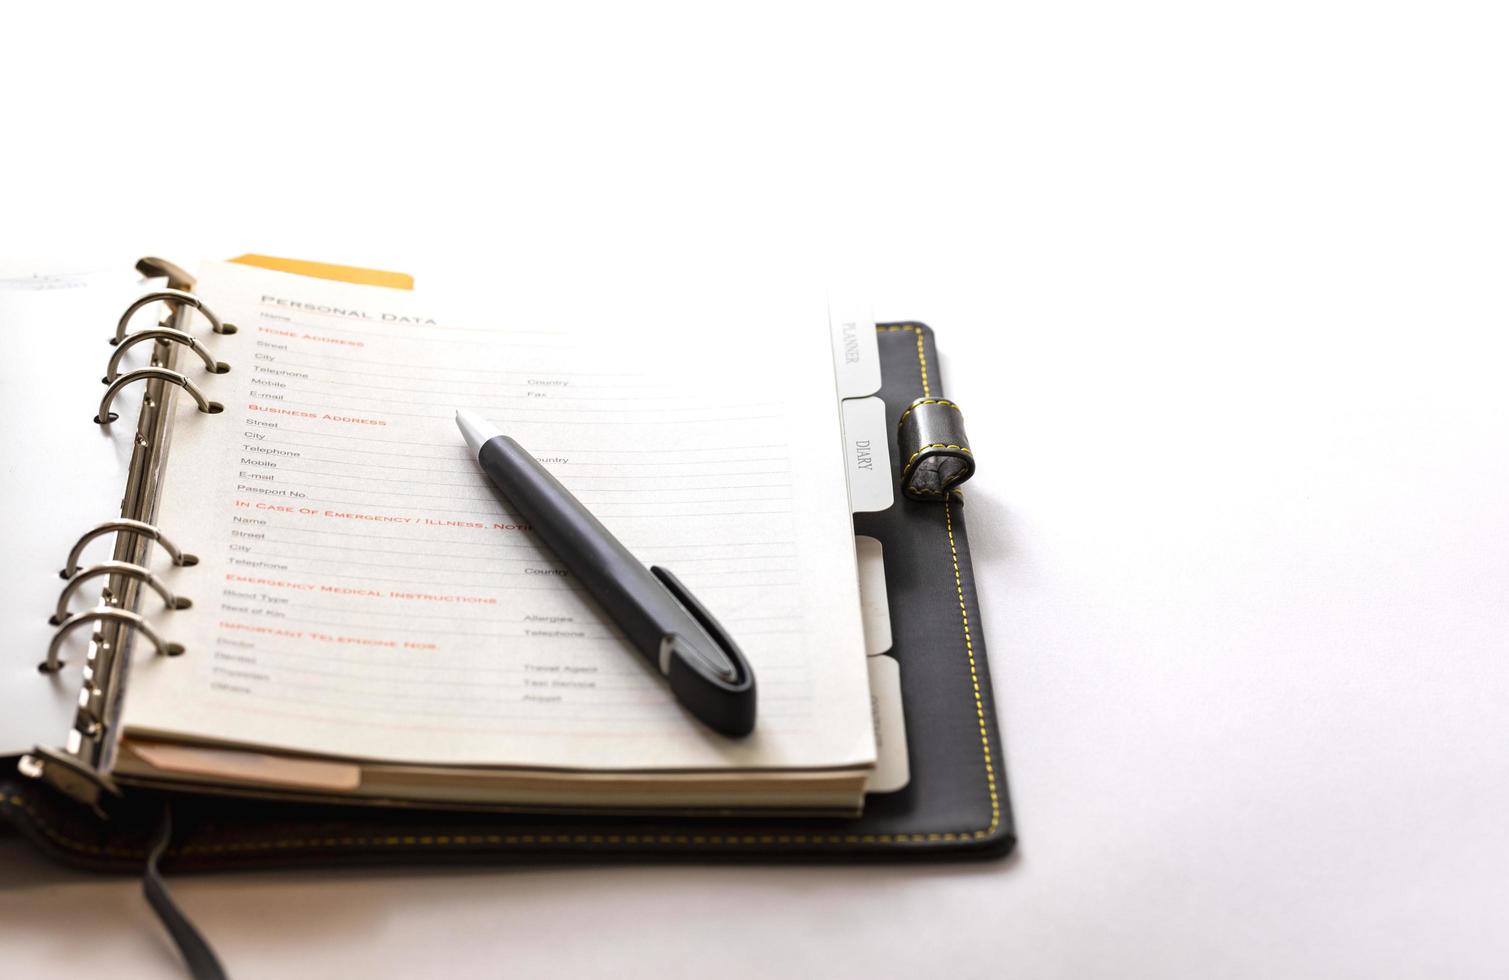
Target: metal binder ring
{"points": [[106, 416], [154, 268], [163, 333], [148, 531], [175, 297], [54, 663], [61, 614]]}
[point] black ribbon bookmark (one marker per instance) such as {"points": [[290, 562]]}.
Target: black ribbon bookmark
{"points": [[196, 953]]}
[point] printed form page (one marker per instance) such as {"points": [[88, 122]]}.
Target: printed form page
{"points": [[363, 592]]}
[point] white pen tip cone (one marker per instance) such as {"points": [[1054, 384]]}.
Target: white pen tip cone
{"points": [[475, 429]]}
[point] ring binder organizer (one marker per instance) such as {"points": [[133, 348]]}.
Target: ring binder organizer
{"points": [[164, 335], [62, 615], [141, 528], [956, 803], [54, 662], [105, 416], [178, 299], [81, 767]]}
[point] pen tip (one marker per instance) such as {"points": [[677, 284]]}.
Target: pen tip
{"points": [[475, 429]]}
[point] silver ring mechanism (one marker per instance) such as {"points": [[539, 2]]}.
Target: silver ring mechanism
{"points": [[105, 416], [61, 614], [54, 663], [166, 335], [152, 267], [173, 297], [148, 531]]}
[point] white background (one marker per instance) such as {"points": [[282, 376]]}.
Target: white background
{"points": [[1221, 288]]}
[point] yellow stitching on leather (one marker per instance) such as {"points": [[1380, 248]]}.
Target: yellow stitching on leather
{"points": [[922, 364], [974, 678], [68, 843], [930, 492], [633, 839], [907, 487], [921, 354], [927, 401], [906, 470], [920, 492], [936, 445]]}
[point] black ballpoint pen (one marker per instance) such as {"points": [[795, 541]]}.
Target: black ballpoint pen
{"points": [[664, 622]]}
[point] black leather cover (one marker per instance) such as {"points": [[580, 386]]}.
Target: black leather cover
{"points": [[955, 804]]}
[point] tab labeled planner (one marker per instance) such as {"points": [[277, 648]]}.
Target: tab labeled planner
{"points": [[856, 355]]}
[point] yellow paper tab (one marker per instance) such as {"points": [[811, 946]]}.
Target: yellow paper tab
{"points": [[325, 270]]}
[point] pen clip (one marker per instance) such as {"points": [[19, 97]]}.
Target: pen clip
{"points": [[723, 698]]}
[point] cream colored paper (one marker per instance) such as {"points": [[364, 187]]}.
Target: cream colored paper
{"points": [[63, 475], [892, 766], [364, 594], [874, 600]]}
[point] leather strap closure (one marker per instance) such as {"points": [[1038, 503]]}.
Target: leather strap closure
{"points": [[935, 453], [197, 954]]}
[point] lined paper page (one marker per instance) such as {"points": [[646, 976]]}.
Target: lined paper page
{"points": [[363, 592], [62, 476]]}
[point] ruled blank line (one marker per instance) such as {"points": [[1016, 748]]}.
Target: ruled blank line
{"points": [[541, 559], [538, 372], [466, 465], [539, 400], [365, 717], [778, 542], [707, 420], [522, 624], [600, 512], [488, 558], [487, 494], [343, 436], [569, 477], [550, 392]]}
